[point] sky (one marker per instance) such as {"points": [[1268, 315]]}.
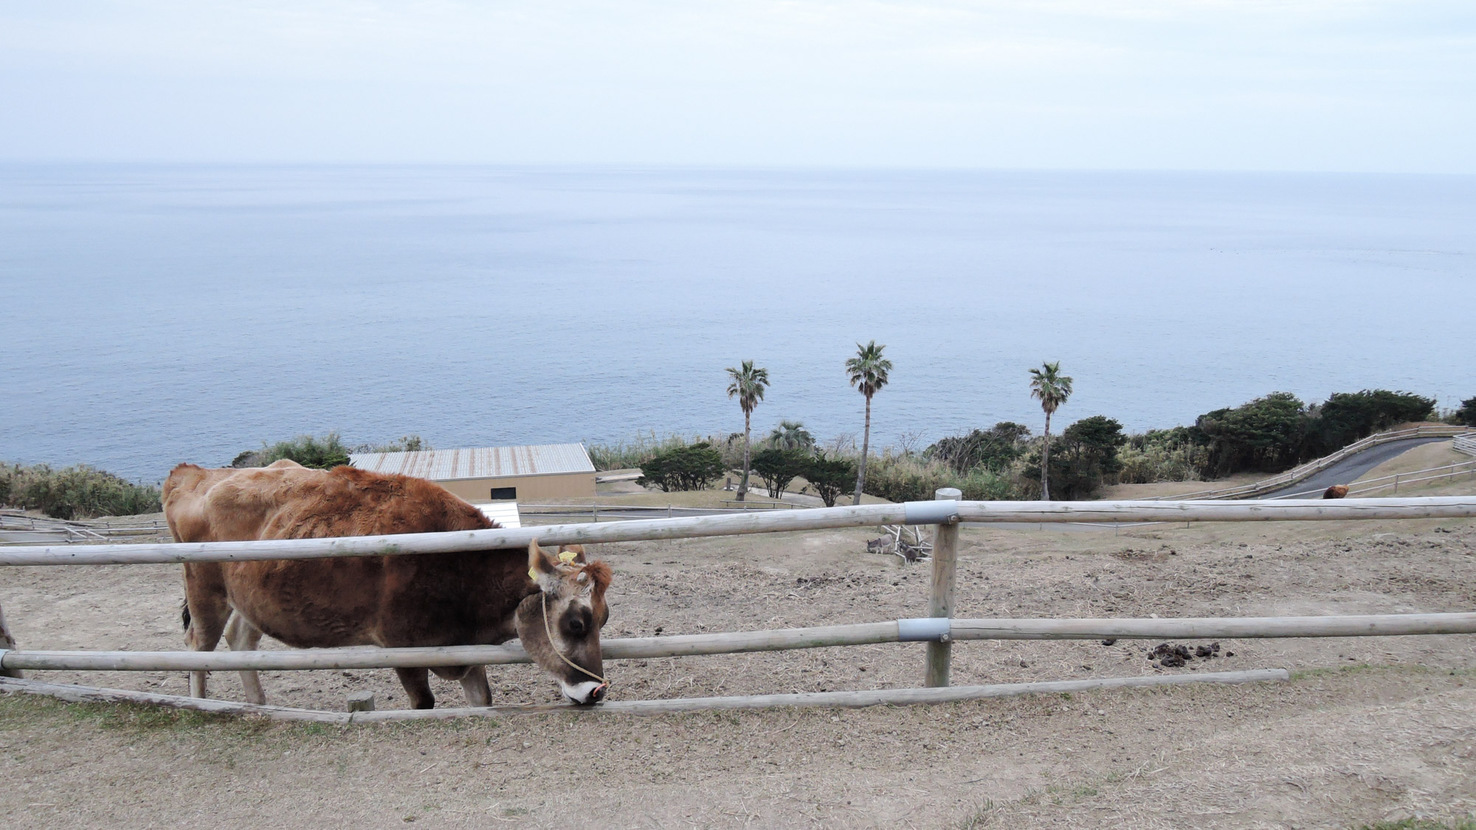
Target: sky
{"points": [[1317, 85]]}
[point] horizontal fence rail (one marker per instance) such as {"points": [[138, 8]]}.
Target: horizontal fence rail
{"points": [[912, 513], [925, 629], [861, 699]]}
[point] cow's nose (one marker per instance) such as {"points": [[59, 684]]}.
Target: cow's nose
{"points": [[586, 693]]}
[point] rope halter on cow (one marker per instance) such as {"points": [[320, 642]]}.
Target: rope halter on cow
{"points": [[604, 684], [566, 565]]}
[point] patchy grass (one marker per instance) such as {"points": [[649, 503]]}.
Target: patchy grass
{"points": [[137, 718], [1385, 668]]}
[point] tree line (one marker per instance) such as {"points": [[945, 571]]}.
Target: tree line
{"points": [[1268, 434]]}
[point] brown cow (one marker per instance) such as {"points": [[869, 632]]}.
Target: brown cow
{"points": [[437, 599], [1336, 491]]}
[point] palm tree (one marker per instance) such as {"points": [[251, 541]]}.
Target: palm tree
{"points": [[791, 435], [868, 373], [748, 387], [1051, 388]]}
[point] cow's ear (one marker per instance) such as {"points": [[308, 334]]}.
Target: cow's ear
{"points": [[573, 554], [542, 566]]}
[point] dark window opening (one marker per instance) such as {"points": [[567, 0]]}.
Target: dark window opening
{"points": [[504, 494]]}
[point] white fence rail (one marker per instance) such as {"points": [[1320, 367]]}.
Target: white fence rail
{"points": [[912, 513], [923, 629]]}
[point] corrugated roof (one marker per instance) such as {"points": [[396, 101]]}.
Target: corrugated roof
{"points": [[487, 462]]}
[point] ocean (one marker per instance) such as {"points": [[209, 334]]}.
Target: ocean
{"points": [[156, 314]]}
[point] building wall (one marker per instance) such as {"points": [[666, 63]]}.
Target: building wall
{"points": [[529, 488]]}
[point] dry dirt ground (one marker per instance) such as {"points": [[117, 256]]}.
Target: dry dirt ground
{"points": [[1367, 730]]}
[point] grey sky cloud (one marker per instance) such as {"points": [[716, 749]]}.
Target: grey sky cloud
{"points": [[1349, 85]]}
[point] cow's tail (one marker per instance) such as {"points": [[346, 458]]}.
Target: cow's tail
{"points": [[184, 614]]}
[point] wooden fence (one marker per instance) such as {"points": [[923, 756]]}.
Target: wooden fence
{"points": [[939, 629]]}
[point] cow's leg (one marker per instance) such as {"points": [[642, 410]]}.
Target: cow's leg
{"points": [[473, 682], [243, 636], [205, 614], [417, 685]]}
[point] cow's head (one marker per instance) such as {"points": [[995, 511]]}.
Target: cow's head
{"points": [[560, 624]]}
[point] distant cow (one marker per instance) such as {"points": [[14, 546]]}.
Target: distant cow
{"points": [[1336, 491], [554, 605]]}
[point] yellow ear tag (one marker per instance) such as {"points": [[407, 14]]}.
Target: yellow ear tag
{"points": [[533, 574], [567, 556]]}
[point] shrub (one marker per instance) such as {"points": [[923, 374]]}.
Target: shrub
{"points": [[407, 443], [994, 449], [777, 468], [901, 477], [898, 477], [638, 453], [830, 476], [1085, 456], [634, 454], [74, 493], [1161, 455], [319, 453], [983, 484], [684, 468], [1467, 413], [1265, 435], [1349, 416]]}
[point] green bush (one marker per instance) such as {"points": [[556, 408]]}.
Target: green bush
{"points": [[777, 468], [830, 476], [899, 477], [1466, 415], [634, 454], [902, 477], [994, 449], [1350, 416], [78, 492], [987, 485], [1082, 459], [320, 453], [408, 443], [1161, 455], [1265, 435], [684, 468]]}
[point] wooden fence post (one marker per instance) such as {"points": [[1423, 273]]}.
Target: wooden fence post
{"points": [[940, 597], [6, 644]]}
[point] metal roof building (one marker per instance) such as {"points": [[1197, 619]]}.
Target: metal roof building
{"points": [[548, 471]]}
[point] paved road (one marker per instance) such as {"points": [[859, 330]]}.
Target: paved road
{"points": [[1350, 468]]}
